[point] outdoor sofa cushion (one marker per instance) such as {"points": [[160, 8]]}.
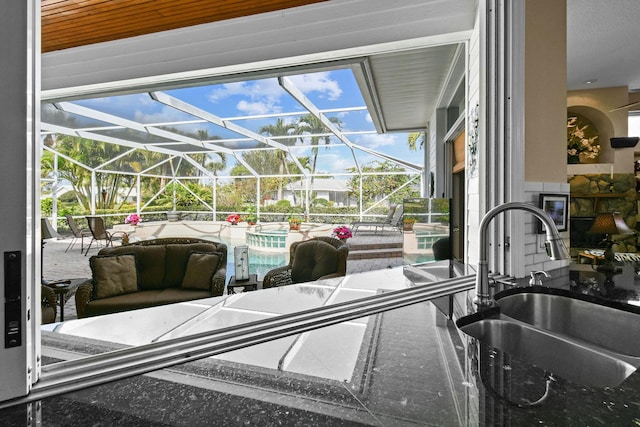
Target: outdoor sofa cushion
{"points": [[114, 275], [142, 299], [200, 268]]}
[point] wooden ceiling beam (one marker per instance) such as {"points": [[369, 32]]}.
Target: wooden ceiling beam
{"points": [[72, 23]]}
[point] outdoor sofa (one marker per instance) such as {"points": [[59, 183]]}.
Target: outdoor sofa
{"points": [[151, 273]]}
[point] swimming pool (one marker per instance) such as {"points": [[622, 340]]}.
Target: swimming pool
{"points": [[268, 243], [417, 245], [268, 238], [260, 262]]}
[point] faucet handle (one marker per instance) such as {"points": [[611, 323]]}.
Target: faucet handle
{"points": [[536, 277]]}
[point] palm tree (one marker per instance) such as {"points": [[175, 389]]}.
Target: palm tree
{"points": [[310, 124], [415, 140], [280, 128], [206, 160], [91, 154], [216, 167]]}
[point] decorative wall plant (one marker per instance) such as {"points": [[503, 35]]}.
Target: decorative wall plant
{"points": [[583, 145], [474, 118]]}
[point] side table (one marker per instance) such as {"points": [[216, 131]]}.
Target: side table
{"points": [[64, 290], [251, 284], [591, 258]]}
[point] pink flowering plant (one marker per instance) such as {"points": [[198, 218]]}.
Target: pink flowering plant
{"points": [[234, 218], [342, 232], [133, 219]]}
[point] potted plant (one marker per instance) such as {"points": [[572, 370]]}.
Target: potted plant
{"points": [[582, 144], [252, 217], [133, 219], [342, 232], [173, 216], [234, 219], [407, 223], [294, 223]]}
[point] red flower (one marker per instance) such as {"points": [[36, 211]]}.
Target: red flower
{"points": [[234, 218], [342, 232], [133, 219]]}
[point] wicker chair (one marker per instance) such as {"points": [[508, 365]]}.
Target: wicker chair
{"points": [[309, 260], [441, 249], [48, 304]]}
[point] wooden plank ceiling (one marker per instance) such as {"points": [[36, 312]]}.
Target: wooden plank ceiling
{"points": [[72, 23]]}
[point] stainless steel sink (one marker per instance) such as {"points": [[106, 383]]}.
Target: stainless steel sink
{"points": [[570, 359], [586, 340], [607, 324]]}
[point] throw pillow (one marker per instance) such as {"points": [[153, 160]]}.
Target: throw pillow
{"points": [[200, 269], [113, 275]]}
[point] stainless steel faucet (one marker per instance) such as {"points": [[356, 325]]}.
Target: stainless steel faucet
{"points": [[554, 244], [536, 277]]}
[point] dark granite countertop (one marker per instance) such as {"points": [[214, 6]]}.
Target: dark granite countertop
{"points": [[412, 367]]}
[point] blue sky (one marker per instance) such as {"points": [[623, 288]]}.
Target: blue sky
{"points": [[327, 90]]}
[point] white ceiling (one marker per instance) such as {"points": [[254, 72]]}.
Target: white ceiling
{"points": [[603, 44]]}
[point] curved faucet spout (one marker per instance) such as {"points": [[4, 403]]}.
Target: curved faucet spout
{"points": [[555, 246]]}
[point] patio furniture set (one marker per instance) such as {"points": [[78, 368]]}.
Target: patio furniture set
{"points": [[162, 271]]}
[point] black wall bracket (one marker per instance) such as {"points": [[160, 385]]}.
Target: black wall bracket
{"points": [[12, 299]]}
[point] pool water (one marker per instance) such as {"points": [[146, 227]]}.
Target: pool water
{"points": [[418, 258], [260, 263]]}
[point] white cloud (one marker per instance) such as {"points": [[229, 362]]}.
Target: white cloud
{"points": [[376, 140], [165, 114], [255, 108], [264, 96], [227, 90], [333, 163], [319, 82], [267, 91], [268, 88]]}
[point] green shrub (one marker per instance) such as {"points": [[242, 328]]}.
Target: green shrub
{"points": [[46, 206]]}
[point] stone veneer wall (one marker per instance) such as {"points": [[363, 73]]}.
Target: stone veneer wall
{"points": [[626, 204]]}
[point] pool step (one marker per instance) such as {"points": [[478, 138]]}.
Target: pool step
{"points": [[375, 250]]}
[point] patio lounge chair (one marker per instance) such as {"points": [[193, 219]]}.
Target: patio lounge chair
{"points": [[376, 224], [393, 220], [77, 233], [99, 232]]}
